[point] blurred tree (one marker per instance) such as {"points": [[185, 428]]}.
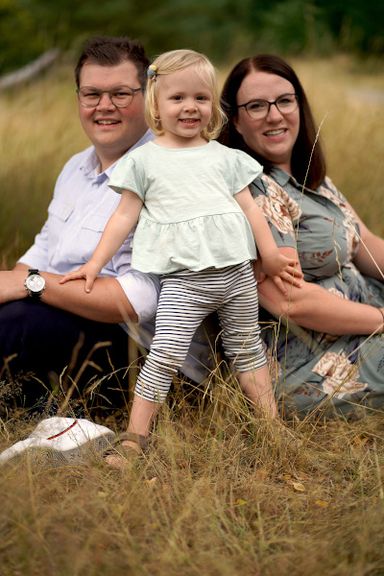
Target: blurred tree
{"points": [[356, 24], [224, 29], [293, 26]]}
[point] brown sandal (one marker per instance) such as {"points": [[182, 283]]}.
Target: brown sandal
{"points": [[117, 448]]}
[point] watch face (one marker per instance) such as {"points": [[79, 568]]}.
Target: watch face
{"points": [[35, 283]]}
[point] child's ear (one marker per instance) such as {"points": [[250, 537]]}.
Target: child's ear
{"points": [[157, 119]]}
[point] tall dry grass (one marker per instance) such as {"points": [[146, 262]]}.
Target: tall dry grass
{"points": [[349, 104], [221, 492], [39, 131]]}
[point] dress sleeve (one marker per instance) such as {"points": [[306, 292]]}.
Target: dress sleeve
{"points": [[280, 210], [127, 175], [245, 169]]}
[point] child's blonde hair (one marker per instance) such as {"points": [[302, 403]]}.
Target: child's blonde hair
{"points": [[174, 61]]}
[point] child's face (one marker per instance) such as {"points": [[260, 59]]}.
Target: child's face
{"points": [[184, 105]]}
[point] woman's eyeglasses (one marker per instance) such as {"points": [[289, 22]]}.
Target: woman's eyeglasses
{"points": [[259, 109]]}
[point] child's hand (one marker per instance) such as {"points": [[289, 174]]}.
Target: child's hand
{"points": [[279, 268], [89, 271]]}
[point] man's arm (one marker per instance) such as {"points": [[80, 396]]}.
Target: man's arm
{"points": [[106, 303]]}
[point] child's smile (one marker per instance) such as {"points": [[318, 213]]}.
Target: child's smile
{"points": [[184, 107]]}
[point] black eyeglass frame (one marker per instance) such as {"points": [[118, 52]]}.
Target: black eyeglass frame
{"points": [[270, 103], [111, 94]]}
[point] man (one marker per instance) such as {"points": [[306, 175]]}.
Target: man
{"points": [[45, 331], [52, 329]]}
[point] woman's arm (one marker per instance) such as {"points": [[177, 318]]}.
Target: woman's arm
{"points": [[370, 256], [315, 308]]}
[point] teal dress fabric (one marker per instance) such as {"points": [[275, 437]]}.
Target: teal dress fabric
{"points": [[313, 370]]}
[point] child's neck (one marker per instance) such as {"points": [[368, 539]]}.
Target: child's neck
{"points": [[172, 141]]}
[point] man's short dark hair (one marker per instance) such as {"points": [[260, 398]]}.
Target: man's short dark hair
{"points": [[111, 51]]}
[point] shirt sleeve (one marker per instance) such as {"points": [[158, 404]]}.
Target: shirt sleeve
{"points": [[245, 169], [37, 255], [281, 211], [142, 290], [127, 175]]}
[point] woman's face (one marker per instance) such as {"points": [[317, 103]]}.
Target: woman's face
{"points": [[274, 136]]}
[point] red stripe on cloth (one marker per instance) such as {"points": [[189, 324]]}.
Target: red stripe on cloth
{"points": [[63, 431]]}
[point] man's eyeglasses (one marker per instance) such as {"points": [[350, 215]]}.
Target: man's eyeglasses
{"points": [[120, 97], [259, 109]]}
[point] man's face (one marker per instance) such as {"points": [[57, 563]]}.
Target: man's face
{"points": [[112, 130]]}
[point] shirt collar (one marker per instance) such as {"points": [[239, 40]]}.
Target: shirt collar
{"points": [[143, 140], [280, 176], [283, 178], [91, 162]]}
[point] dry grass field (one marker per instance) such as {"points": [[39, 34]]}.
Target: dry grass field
{"points": [[221, 493]]}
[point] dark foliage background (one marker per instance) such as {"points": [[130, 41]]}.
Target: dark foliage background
{"points": [[224, 29]]}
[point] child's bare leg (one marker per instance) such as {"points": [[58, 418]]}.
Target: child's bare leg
{"points": [[142, 414], [257, 386]]}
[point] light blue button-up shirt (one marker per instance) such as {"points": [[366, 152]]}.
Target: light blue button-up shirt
{"points": [[79, 210]]}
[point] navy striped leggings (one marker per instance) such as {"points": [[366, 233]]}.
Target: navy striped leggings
{"points": [[185, 300]]}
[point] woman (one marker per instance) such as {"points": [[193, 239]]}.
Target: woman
{"points": [[326, 335]]}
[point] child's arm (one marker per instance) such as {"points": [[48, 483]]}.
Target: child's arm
{"points": [[273, 262], [116, 231]]}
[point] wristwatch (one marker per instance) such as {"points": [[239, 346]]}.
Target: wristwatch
{"points": [[34, 283]]}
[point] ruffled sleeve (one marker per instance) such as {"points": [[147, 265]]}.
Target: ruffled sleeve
{"points": [[128, 175], [245, 170]]}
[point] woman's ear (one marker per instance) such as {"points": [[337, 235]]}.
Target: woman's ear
{"points": [[236, 123]]}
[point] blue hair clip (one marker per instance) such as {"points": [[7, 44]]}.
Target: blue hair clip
{"points": [[152, 72]]}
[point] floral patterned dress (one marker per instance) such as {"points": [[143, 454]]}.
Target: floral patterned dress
{"points": [[311, 369]]}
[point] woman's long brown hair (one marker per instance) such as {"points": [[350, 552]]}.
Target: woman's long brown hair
{"points": [[308, 161]]}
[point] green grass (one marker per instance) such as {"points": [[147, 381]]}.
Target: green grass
{"points": [[220, 492]]}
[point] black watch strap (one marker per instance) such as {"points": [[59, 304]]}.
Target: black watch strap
{"points": [[30, 285]]}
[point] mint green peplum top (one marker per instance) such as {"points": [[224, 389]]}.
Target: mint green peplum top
{"points": [[190, 219]]}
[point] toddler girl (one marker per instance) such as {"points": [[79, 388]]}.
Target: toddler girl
{"points": [[197, 227]]}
